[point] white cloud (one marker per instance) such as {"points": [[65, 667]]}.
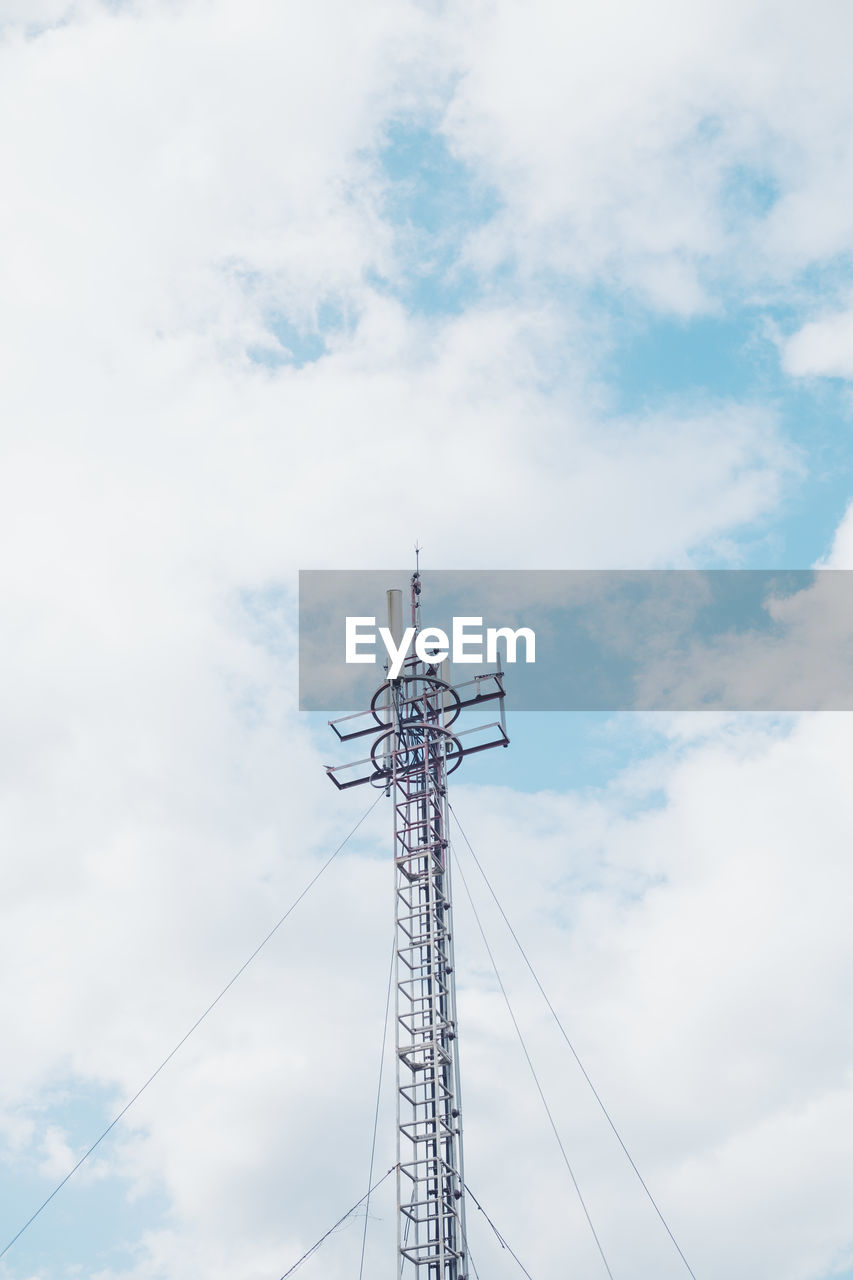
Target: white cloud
{"points": [[177, 176], [799, 661], [822, 348], [841, 553], [698, 952], [33, 16], [57, 1156], [671, 148], [700, 956]]}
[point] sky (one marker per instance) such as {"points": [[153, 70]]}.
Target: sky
{"points": [[540, 285]]}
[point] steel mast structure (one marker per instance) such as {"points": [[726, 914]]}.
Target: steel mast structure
{"points": [[416, 745]]}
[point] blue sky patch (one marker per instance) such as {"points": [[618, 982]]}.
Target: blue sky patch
{"points": [[655, 362], [62, 1238], [433, 200]]}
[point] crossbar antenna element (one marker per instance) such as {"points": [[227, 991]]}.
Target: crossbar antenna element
{"points": [[417, 743]]}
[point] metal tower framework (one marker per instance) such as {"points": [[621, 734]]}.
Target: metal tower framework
{"points": [[416, 745]]}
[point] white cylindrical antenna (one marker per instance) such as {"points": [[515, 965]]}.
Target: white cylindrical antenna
{"points": [[395, 615], [394, 607]]}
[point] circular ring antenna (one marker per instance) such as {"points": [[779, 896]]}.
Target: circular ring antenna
{"points": [[406, 752], [436, 686]]}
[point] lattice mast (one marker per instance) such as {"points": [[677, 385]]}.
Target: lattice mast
{"points": [[411, 758], [430, 1178]]}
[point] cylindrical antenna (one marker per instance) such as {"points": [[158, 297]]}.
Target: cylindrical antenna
{"points": [[395, 615], [394, 605]]}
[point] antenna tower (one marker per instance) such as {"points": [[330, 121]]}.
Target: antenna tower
{"points": [[413, 721]]}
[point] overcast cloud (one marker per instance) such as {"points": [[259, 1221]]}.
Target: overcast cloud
{"points": [[287, 286]]}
